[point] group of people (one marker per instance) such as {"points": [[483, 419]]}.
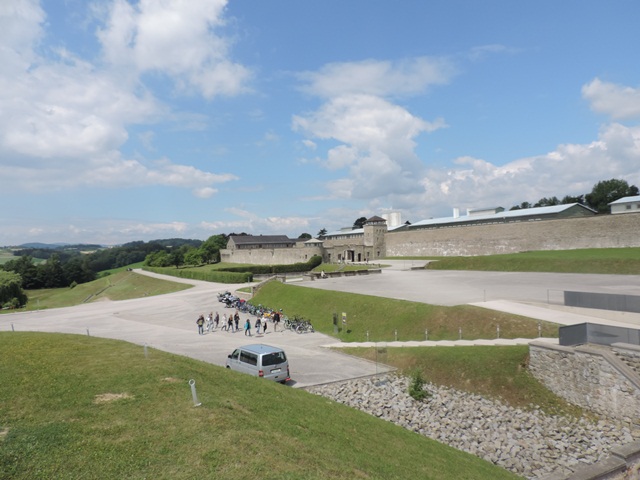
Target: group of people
{"points": [[232, 323]]}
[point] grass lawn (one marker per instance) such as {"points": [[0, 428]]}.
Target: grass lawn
{"points": [[381, 317], [495, 372], [77, 407], [625, 261], [118, 286]]}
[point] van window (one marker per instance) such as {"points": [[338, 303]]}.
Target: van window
{"points": [[248, 357], [235, 354], [273, 358]]}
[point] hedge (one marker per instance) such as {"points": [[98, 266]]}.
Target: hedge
{"points": [[216, 276], [312, 263]]}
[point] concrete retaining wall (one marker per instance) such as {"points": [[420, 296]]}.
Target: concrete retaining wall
{"points": [[590, 377]]}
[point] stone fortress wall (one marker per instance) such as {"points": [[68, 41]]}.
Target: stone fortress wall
{"points": [[601, 231]]}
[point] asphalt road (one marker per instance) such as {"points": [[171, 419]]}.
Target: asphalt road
{"points": [[167, 322]]}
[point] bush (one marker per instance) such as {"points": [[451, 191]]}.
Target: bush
{"points": [[416, 387], [217, 276]]}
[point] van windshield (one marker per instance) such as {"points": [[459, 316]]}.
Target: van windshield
{"points": [[273, 358]]}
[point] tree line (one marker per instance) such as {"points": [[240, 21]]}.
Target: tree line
{"points": [[601, 195]]}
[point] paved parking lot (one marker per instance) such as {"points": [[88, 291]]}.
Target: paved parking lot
{"points": [[167, 322]]}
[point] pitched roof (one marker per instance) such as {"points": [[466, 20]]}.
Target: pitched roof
{"points": [[260, 239], [524, 212], [626, 200]]}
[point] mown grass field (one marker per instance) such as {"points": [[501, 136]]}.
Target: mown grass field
{"points": [[77, 407], [122, 285], [623, 261], [382, 317]]}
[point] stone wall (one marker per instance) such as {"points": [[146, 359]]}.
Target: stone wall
{"points": [[270, 256], [591, 377], [602, 231]]}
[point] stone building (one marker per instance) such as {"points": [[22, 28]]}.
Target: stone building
{"points": [[484, 231]]}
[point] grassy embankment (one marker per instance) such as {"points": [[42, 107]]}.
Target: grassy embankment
{"points": [[622, 261], [82, 407], [122, 285]]}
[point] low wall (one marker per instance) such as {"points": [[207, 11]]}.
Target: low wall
{"points": [[590, 377], [601, 231]]}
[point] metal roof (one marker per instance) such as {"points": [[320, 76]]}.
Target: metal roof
{"points": [[626, 200], [524, 212], [260, 239]]}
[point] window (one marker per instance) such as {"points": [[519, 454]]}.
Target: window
{"points": [[273, 359], [248, 357]]}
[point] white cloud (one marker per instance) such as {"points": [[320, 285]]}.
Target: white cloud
{"points": [[252, 223], [571, 169], [177, 39], [63, 120], [617, 101], [377, 142], [379, 78]]}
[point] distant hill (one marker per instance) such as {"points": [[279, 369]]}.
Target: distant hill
{"points": [[39, 245]]}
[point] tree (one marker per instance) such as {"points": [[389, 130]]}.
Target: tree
{"points": [[11, 293], [522, 206], [27, 270], [607, 191], [51, 273], [210, 249], [193, 257], [322, 232], [359, 223], [305, 236], [547, 202], [567, 199]]}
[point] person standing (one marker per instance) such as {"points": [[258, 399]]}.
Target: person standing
{"points": [[200, 323], [230, 324], [224, 322], [258, 325], [264, 328], [276, 321], [247, 327], [237, 320], [216, 320]]}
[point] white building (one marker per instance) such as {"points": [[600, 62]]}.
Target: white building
{"points": [[626, 205]]}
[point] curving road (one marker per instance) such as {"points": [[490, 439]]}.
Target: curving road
{"points": [[167, 322]]}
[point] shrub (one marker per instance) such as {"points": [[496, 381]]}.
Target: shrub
{"points": [[416, 387]]}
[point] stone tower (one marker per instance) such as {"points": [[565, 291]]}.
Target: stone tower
{"points": [[375, 229]]}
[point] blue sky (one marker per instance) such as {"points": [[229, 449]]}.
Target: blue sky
{"points": [[139, 120]]}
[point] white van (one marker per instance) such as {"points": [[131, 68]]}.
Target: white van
{"points": [[261, 361]]}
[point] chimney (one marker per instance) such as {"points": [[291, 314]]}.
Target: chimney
{"points": [[456, 212]]}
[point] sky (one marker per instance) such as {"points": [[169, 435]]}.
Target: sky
{"points": [[140, 120]]}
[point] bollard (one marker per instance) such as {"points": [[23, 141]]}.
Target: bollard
{"points": [[426, 334], [145, 351], [367, 335], [460, 332], [498, 329], [12, 329], [396, 334], [539, 330], [88, 333], [192, 383]]}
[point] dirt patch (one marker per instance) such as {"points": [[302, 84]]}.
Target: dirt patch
{"points": [[3, 433], [110, 397], [171, 380]]}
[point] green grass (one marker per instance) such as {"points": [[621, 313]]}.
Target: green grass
{"points": [[498, 372], [76, 407], [119, 286], [625, 261], [381, 317]]}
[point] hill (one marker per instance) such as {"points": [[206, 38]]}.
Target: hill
{"points": [[92, 408]]}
